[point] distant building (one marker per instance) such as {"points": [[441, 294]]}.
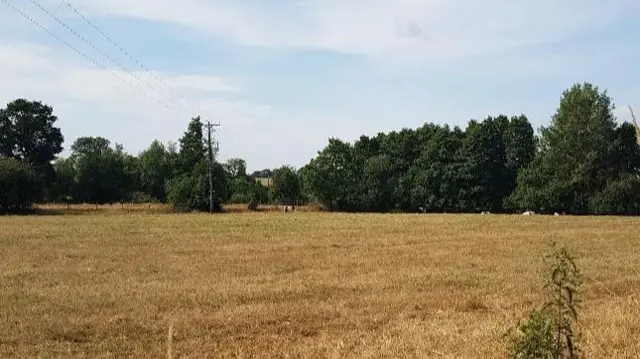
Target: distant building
{"points": [[265, 181]]}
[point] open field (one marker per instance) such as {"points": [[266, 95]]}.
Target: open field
{"points": [[300, 284]]}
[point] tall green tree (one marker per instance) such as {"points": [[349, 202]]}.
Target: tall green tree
{"points": [[286, 185], [244, 188], [438, 185], [155, 169], [101, 171], [64, 186], [332, 178], [519, 145], [192, 146], [18, 186], [189, 189], [28, 133], [484, 170], [494, 151], [236, 167], [378, 181], [576, 158]]}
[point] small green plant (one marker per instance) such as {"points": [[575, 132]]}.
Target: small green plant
{"points": [[549, 331], [534, 338]]}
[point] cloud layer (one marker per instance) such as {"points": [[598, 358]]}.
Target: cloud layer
{"points": [[425, 29]]}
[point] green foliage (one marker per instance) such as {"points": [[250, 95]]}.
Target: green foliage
{"points": [[27, 133], [331, 176], [581, 151], [306, 193], [192, 147], [265, 173], [619, 197], [64, 186], [184, 195], [286, 185], [18, 186], [242, 190], [438, 183], [435, 168], [563, 281], [532, 339], [242, 186], [236, 167], [493, 152], [102, 174], [549, 331], [259, 193], [140, 197], [245, 190], [378, 193], [156, 165], [190, 192]]}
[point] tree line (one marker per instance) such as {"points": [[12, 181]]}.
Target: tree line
{"points": [[583, 162], [97, 171]]}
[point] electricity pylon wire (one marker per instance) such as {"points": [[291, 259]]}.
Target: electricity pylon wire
{"points": [[82, 38], [74, 49], [125, 52]]}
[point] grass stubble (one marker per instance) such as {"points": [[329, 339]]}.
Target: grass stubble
{"points": [[307, 285]]}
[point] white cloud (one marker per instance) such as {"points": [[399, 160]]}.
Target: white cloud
{"points": [[419, 29], [202, 83], [38, 72], [90, 102]]}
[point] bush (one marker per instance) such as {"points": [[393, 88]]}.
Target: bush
{"points": [[532, 339], [191, 191], [184, 194], [19, 186], [549, 331], [141, 197], [619, 197]]}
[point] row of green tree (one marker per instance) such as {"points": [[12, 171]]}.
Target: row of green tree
{"points": [[98, 172], [583, 162]]}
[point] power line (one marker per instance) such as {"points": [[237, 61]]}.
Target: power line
{"points": [[125, 52], [62, 23], [82, 54]]}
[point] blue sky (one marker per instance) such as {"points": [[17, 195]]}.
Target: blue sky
{"points": [[282, 76]]}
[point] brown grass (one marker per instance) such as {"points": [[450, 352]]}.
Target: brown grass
{"points": [[303, 285]]}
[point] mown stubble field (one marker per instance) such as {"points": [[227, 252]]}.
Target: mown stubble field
{"points": [[306, 285]]}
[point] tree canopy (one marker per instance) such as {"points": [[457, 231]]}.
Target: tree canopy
{"points": [[28, 134], [582, 151]]}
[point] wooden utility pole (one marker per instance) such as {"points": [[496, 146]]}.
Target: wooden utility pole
{"points": [[209, 127]]}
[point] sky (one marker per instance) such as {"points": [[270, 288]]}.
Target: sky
{"points": [[283, 76]]}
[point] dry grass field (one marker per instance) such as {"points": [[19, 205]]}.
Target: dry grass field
{"points": [[302, 285]]}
